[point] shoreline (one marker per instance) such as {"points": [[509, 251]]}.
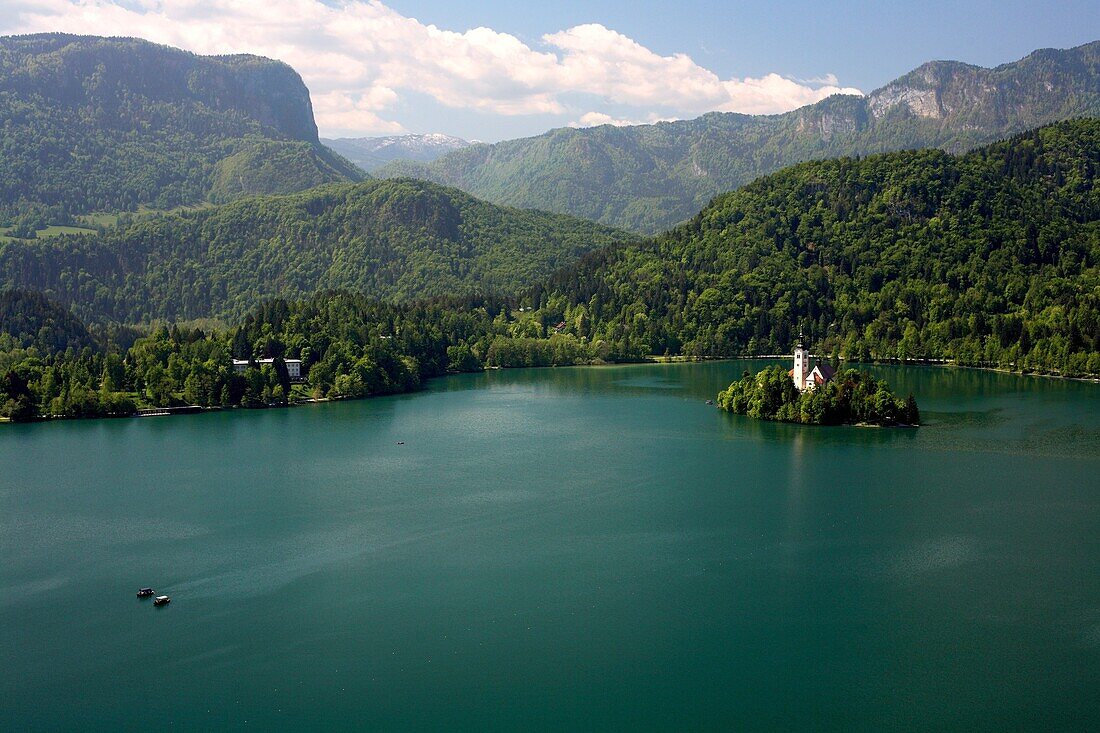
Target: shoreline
{"points": [[199, 409], [943, 363]]}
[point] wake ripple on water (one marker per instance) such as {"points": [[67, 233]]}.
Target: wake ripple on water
{"points": [[941, 553], [46, 530], [11, 594]]}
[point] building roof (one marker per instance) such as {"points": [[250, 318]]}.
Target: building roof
{"points": [[237, 362], [820, 374]]}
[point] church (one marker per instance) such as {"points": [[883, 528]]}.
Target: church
{"points": [[803, 376]]}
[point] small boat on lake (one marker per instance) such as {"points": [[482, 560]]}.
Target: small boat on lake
{"points": [[161, 601], [144, 592]]}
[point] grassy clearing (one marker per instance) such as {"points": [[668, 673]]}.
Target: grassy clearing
{"points": [[50, 231], [89, 223], [53, 231], [98, 219]]}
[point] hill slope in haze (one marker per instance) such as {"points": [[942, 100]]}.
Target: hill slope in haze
{"points": [[96, 124], [392, 240], [371, 153], [989, 258], [649, 177]]}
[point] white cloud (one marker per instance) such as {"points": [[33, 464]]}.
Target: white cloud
{"points": [[342, 111], [359, 57], [594, 119]]}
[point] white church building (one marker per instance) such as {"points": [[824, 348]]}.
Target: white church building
{"points": [[806, 377]]}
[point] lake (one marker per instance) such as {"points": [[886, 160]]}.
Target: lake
{"points": [[560, 549]]}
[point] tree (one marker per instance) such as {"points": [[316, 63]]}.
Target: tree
{"points": [[158, 386], [242, 348], [911, 414], [460, 358], [16, 399]]}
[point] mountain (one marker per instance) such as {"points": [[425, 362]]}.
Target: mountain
{"points": [[370, 153], [96, 124], [649, 177], [988, 258], [392, 240]]}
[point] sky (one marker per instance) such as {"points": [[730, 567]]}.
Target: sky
{"points": [[502, 69]]}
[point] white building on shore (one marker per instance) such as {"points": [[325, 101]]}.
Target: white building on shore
{"points": [[293, 366]]}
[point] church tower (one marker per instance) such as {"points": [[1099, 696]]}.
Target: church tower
{"points": [[802, 366]]}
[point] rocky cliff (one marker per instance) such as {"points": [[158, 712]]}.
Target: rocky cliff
{"points": [[113, 123], [649, 177]]}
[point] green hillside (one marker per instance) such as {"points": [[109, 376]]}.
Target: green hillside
{"points": [[392, 240], [649, 177], [105, 124], [29, 320], [992, 257]]}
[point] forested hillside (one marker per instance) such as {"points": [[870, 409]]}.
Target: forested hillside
{"points": [[649, 177], [989, 258], [30, 320], [390, 240], [97, 124]]}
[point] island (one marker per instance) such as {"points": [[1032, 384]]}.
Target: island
{"points": [[818, 396]]}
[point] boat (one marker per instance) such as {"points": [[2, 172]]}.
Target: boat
{"points": [[161, 601], [710, 402], [144, 592]]}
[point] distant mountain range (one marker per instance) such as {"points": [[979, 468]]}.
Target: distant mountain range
{"points": [[648, 177], [94, 124], [370, 153]]}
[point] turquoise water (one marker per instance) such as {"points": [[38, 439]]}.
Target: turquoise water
{"points": [[585, 548]]}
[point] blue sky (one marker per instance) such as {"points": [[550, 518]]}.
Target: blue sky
{"points": [[420, 66], [864, 43]]}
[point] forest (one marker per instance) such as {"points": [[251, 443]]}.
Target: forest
{"points": [[990, 259], [393, 240], [351, 346]]}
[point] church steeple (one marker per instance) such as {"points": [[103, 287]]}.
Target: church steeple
{"points": [[802, 366]]}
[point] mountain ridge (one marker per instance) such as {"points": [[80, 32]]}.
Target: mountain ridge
{"points": [[648, 177], [98, 123]]}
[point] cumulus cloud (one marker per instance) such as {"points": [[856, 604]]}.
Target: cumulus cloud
{"points": [[595, 119], [342, 111], [358, 58]]}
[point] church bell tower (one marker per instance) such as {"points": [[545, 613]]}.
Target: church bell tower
{"points": [[801, 365]]}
